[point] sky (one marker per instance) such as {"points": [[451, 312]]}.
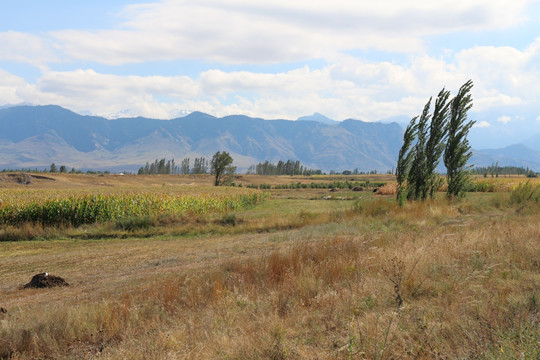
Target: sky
{"points": [[360, 59]]}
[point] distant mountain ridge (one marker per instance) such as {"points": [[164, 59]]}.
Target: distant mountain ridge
{"points": [[513, 155], [35, 136]]}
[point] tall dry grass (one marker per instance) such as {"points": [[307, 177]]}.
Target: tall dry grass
{"points": [[420, 282]]}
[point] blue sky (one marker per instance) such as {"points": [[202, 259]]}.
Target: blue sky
{"points": [[276, 59]]}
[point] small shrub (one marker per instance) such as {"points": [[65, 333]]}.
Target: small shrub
{"points": [[134, 223], [525, 192], [229, 220]]}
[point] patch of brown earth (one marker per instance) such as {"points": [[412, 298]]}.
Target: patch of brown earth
{"points": [[44, 280]]}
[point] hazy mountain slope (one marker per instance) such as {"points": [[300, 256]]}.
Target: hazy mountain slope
{"points": [[35, 136], [533, 142], [514, 155]]}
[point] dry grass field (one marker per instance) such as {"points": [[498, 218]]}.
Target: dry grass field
{"points": [[304, 274]]}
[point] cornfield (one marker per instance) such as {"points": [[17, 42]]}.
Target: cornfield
{"points": [[86, 208]]}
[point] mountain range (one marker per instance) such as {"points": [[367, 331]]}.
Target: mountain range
{"points": [[36, 136]]}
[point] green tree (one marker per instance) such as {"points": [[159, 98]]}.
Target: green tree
{"points": [[435, 144], [53, 168], [425, 140], [200, 166], [184, 166], [404, 160], [221, 166], [417, 178], [458, 150]]}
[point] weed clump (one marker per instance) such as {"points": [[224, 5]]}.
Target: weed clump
{"points": [[525, 192], [229, 220], [374, 208]]}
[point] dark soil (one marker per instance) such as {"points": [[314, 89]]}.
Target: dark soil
{"points": [[41, 177], [45, 280]]}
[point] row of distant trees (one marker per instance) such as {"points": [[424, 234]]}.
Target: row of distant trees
{"points": [[202, 166], [289, 167], [220, 166], [169, 167], [495, 170], [53, 168]]}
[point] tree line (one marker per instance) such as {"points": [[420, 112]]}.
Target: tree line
{"points": [[494, 170], [169, 167], [220, 166], [430, 137], [289, 167]]}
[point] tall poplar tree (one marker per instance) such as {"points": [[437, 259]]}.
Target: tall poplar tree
{"points": [[458, 150], [435, 144], [405, 159], [417, 178], [424, 141]]}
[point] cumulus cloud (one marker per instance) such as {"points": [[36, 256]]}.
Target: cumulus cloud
{"points": [[26, 48], [482, 124], [239, 31], [10, 86], [505, 119], [344, 87]]}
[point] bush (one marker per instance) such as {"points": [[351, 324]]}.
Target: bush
{"points": [[525, 192], [229, 220], [134, 223]]}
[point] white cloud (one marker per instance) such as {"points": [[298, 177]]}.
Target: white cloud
{"points": [[9, 88], [505, 119], [538, 118], [482, 124], [26, 48], [238, 31], [346, 87]]}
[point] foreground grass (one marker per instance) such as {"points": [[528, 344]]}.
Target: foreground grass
{"points": [[362, 280]]}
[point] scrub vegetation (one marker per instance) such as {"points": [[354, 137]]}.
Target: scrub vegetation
{"points": [[303, 273]]}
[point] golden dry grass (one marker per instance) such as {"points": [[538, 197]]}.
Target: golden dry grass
{"points": [[74, 181], [468, 275]]}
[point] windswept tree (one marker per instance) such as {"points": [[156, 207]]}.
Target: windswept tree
{"points": [[435, 144], [458, 150], [221, 167], [417, 178], [405, 159], [425, 140]]}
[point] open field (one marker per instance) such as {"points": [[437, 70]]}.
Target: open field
{"points": [[304, 274]]}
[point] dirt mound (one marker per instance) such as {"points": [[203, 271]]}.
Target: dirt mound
{"points": [[44, 280], [23, 178]]}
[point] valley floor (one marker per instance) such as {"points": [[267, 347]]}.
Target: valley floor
{"points": [[295, 277]]}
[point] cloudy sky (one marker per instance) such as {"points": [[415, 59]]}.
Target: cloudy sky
{"points": [[362, 59]]}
